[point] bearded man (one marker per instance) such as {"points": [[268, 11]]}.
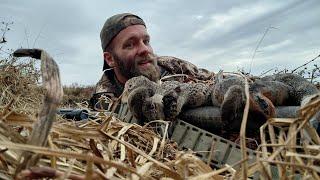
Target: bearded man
{"points": [[128, 53]]}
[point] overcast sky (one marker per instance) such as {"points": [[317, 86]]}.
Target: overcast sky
{"points": [[211, 34]]}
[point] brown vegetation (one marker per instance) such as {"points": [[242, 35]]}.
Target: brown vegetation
{"points": [[104, 147], [75, 93]]}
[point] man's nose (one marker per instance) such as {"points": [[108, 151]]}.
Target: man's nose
{"points": [[144, 49]]}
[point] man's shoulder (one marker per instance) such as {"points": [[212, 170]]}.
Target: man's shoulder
{"points": [[179, 66], [171, 61], [106, 85]]}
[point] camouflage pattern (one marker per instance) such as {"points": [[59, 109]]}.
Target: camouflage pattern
{"points": [[178, 66]]}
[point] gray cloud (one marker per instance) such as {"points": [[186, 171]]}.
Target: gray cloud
{"points": [[211, 34]]}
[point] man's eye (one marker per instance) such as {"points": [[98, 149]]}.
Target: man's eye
{"points": [[128, 45], [146, 42]]}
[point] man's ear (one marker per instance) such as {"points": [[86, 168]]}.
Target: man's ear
{"points": [[109, 59]]}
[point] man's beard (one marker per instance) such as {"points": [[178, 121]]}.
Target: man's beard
{"points": [[133, 70]]}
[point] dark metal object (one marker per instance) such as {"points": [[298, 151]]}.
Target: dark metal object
{"points": [[74, 114], [209, 117]]}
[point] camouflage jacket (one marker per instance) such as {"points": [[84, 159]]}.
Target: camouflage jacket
{"points": [[109, 85]]}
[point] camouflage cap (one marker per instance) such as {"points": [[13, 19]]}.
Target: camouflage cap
{"points": [[114, 25]]}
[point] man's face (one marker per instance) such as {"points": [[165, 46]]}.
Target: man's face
{"points": [[133, 55]]}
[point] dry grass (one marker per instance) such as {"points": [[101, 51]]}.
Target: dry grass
{"points": [[106, 148], [75, 93], [84, 150], [19, 85]]}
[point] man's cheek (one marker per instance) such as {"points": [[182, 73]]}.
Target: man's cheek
{"points": [[130, 63]]}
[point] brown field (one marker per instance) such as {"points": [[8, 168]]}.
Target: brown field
{"points": [[104, 147]]}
